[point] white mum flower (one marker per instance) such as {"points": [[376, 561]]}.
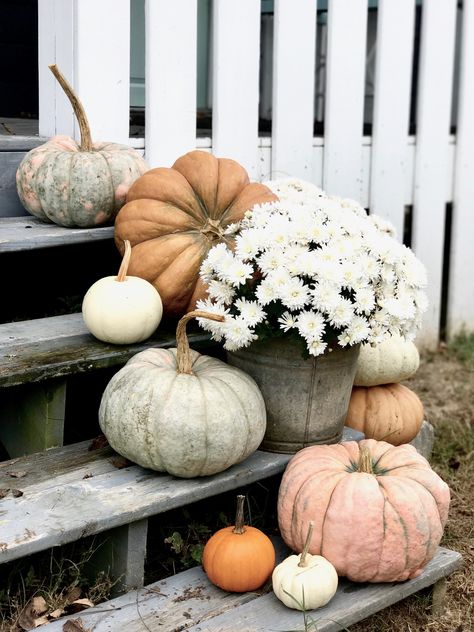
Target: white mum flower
{"points": [[266, 292], [294, 294], [250, 311], [325, 296], [364, 300], [239, 272], [287, 321], [311, 325], [358, 330], [342, 314], [221, 292], [317, 347], [237, 332]]}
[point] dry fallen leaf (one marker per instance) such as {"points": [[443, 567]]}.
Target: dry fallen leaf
{"points": [[73, 594], [98, 442], [120, 462], [16, 493], [18, 474], [3, 492], [74, 625], [32, 612], [78, 605], [40, 621], [57, 613]]}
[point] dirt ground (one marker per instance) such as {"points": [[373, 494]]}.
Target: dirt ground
{"points": [[446, 387]]}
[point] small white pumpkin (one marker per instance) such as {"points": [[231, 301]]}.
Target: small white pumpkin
{"points": [[176, 411], [122, 309], [391, 361], [305, 582]]}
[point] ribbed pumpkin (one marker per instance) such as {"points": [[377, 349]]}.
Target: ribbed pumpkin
{"points": [[239, 558], [173, 217], [393, 360], [391, 413], [378, 510], [74, 184], [176, 411]]}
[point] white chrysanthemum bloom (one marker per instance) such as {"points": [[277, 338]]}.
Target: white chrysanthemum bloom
{"points": [[329, 271], [383, 225], [221, 292], [317, 347], [287, 321], [294, 294], [311, 325], [250, 311]]}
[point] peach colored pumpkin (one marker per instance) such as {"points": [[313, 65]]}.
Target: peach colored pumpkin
{"points": [[378, 510], [77, 184], [391, 413], [174, 216]]}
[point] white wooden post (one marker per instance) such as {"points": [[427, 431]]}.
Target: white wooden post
{"points": [[90, 43], [393, 71], [294, 42], [170, 80], [344, 104], [432, 155], [235, 65], [461, 285]]}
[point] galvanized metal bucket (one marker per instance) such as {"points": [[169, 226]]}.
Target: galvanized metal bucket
{"points": [[306, 399]]}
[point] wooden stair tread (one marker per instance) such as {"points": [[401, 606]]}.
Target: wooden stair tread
{"points": [[45, 348], [28, 233], [188, 601]]}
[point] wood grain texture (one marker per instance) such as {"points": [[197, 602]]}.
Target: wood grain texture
{"points": [[30, 351], [69, 493], [29, 233], [188, 601]]}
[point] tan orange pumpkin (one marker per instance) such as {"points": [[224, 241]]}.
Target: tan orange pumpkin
{"points": [[378, 510], [239, 558], [173, 217], [391, 413]]}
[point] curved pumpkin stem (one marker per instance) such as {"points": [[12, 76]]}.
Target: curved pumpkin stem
{"points": [[122, 273], [86, 140], [183, 352], [305, 550], [239, 516], [365, 461]]}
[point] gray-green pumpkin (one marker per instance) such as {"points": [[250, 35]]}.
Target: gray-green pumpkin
{"points": [[74, 184], [176, 411]]}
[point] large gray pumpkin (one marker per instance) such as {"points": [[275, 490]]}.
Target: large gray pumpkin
{"points": [[176, 411], [74, 184]]}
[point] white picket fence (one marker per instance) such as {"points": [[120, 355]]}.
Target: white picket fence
{"points": [[388, 171]]}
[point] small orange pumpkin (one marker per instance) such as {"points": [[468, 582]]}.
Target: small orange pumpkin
{"points": [[239, 558], [391, 413]]}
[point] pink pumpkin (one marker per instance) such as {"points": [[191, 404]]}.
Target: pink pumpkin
{"points": [[378, 510], [74, 184]]}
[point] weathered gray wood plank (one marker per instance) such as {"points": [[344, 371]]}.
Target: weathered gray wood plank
{"points": [[59, 510], [188, 601], [28, 233], [38, 354], [19, 127], [10, 205], [352, 603]]}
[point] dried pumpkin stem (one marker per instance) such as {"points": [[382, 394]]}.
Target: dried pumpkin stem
{"points": [[184, 360], [305, 550], [122, 273], [239, 516], [365, 461], [86, 140]]}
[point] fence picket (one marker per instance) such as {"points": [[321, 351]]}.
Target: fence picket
{"points": [[432, 154], [55, 37], [293, 88], [461, 294], [347, 30], [235, 66], [393, 70], [170, 79]]}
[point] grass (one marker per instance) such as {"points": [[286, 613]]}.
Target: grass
{"points": [[463, 348]]}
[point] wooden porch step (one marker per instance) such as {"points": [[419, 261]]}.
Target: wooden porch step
{"points": [[40, 355], [27, 233], [188, 601]]}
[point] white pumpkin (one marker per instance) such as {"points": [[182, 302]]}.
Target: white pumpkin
{"points": [[176, 411], [305, 582], [393, 360], [122, 309]]}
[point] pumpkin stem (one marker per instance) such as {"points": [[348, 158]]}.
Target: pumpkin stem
{"points": [[86, 140], [122, 273], [183, 352], [305, 550], [239, 516], [365, 461]]}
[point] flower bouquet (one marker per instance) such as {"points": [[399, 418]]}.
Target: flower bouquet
{"points": [[311, 276]]}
